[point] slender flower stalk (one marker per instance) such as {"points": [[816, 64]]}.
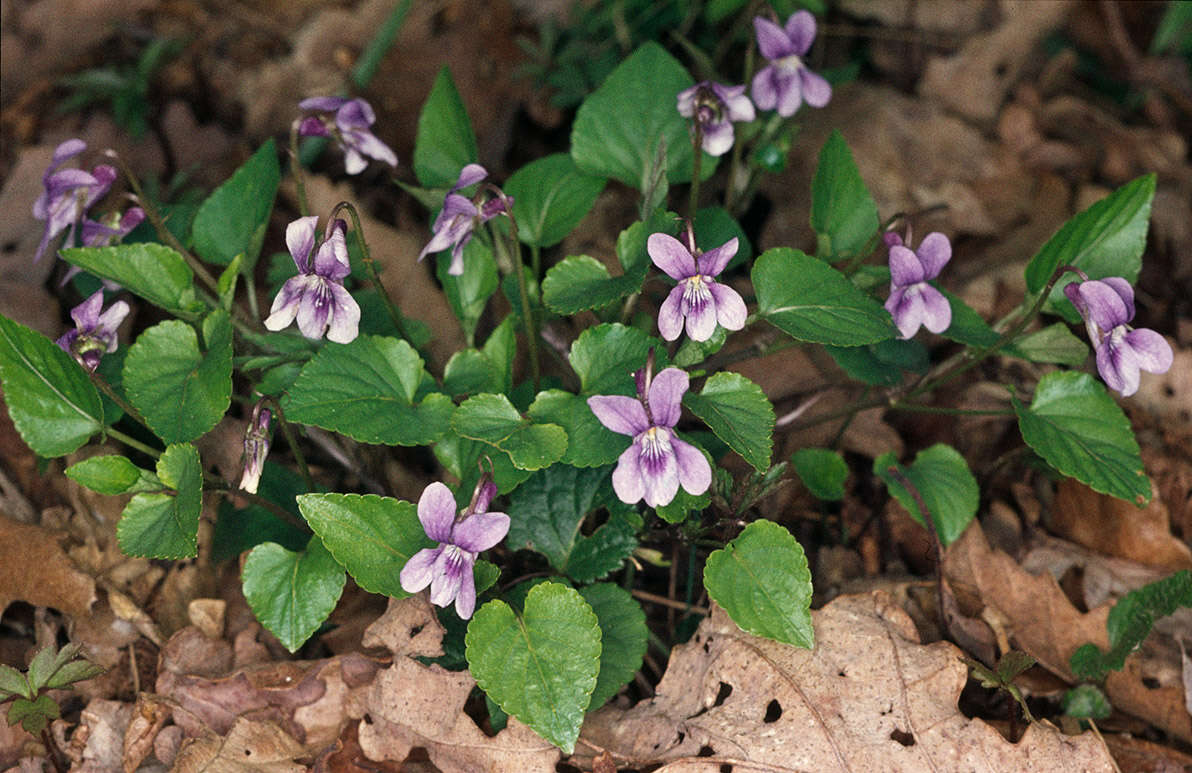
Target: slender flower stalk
{"points": [[1107, 306], [94, 334], [316, 297], [447, 569]]}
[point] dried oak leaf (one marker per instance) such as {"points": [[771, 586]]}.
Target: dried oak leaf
{"points": [[412, 705], [34, 569], [251, 746], [1046, 626], [868, 697]]}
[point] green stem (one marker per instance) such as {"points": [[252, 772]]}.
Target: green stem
{"points": [[132, 442], [697, 159], [297, 170], [523, 291], [292, 442], [921, 408], [227, 490], [102, 385], [371, 266], [536, 261]]}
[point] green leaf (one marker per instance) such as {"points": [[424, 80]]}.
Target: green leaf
{"points": [[589, 443], [1107, 239], [714, 226], [550, 508], [42, 667], [464, 458], [166, 525], [181, 392], [677, 510], [550, 197], [233, 219], [500, 349], [445, 143], [1078, 429], [540, 667], [968, 327], [155, 272], [822, 471], [366, 390], [492, 419], [883, 363], [241, 529], [469, 292], [623, 636], [33, 715], [12, 682], [469, 372], [605, 357], [739, 413], [692, 352], [602, 552], [292, 593], [842, 211], [1086, 701], [51, 401], [762, 581], [371, 536], [74, 671], [112, 474], [618, 127], [1054, 343], [812, 301], [1130, 622], [943, 479]]}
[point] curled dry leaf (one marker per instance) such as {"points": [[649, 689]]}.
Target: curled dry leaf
{"points": [[34, 569], [413, 705], [868, 697], [251, 746], [1047, 627]]}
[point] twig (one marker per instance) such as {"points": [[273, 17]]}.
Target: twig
{"points": [[654, 598]]}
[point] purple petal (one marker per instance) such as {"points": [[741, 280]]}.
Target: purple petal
{"points": [[465, 597], [670, 315], [494, 207], [110, 320], [621, 414], [669, 254], [368, 144], [685, 100], [436, 511], [905, 267], [764, 89], [666, 396], [800, 30], [891, 239], [701, 320], [457, 256], [300, 239], [1151, 350], [816, 90], [718, 138], [934, 253], [343, 322], [1117, 368], [790, 92], [906, 306], [419, 570], [627, 478], [1106, 309], [937, 313], [772, 40], [331, 259], [449, 572], [712, 262], [64, 152], [1124, 290], [354, 114], [730, 307], [285, 305], [86, 314], [469, 175], [313, 127], [480, 531], [328, 104], [661, 483], [738, 107], [695, 474]]}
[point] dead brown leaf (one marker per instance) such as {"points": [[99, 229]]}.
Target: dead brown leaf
{"points": [[412, 705], [149, 715], [1044, 624], [34, 569], [868, 697], [250, 746]]}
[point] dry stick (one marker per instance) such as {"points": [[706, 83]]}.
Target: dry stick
{"points": [[654, 598], [53, 751]]}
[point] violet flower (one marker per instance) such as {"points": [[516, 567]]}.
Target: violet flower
{"points": [[714, 108], [68, 194], [95, 330], [256, 447], [785, 82], [1107, 306], [317, 296], [913, 302], [112, 229], [447, 569], [657, 462], [349, 128], [460, 215], [697, 298]]}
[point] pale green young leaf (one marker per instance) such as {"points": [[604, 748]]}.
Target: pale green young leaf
{"points": [[112, 474]]}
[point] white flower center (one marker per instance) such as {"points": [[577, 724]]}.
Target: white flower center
{"points": [[696, 292], [790, 63]]}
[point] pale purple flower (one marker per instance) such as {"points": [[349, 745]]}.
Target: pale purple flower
{"points": [[447, 569], [349, 128], [460, 215], [68, 194], [256, 447], [106, 232], [714, 108], [657, 462], [785, 82], [913, 302], [697, 298], [316, 297], [1107, 306], [94, 333]]}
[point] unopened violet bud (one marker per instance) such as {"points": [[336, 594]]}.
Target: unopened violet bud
{"points": [[94, 333], [891, 239], [256, 448]]}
